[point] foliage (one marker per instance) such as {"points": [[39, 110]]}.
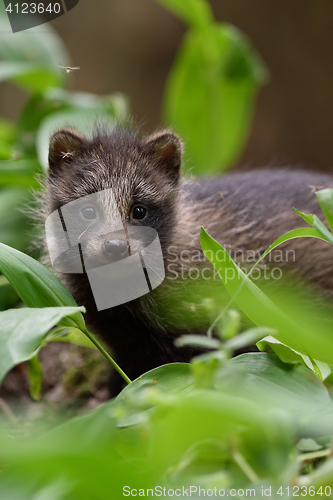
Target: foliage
{"points": [[211, 89], [255, 422], [30, 60]]}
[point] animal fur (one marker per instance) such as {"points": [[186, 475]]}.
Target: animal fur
{"points": [[243, 211]]}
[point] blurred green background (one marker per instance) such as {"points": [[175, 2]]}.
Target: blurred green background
{"points": [[129, 46]]}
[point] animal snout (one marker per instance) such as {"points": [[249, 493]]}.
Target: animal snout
{"points": [[115, 250]]}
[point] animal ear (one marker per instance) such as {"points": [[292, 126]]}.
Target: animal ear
{"points": [[166, 148], [64, 146]]}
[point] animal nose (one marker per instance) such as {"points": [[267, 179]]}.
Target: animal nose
{"points": [[115, 250]]}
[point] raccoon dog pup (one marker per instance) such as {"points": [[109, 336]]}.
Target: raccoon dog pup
{"points": [[243, 211]]}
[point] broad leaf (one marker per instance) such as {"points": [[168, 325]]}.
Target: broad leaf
{"points": [[13, 223], [76, 461], [31, 56], [19, 173], [274, 384], [196, 13], [288, 355], [30, 75], [296, 324], [151, 389], [35, 284], [71, 335], [23, 330], [206, 416], [54, 108], [210, 94]]}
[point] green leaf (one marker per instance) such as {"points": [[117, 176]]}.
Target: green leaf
{"points": [[317, 224], [302, 232], [116, 104], [209, 96], [296, 323], [249, 296], [308, 444], [36, 44], [204, 368], [76, 461], [35, 284], [325, 199], [30, 75], [151, 389], [71, 335], [8, 298], [229, 324], [170, 378], [19, 173], [247, 338], [289, 355], [274, 384], [23, 330], [55, 108], [7, 130], [14, 225], [196, 13], [201, 341], [35, 373], [210, 415], [31, 57]]}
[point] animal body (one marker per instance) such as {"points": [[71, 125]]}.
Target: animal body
{"points": [[245, 212]]}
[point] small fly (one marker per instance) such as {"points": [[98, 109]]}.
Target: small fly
{"points": [[69, 69], [314, 189]]}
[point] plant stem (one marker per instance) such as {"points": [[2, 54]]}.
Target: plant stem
{"points": [[108, 357], [244, 466], [313, 455]]}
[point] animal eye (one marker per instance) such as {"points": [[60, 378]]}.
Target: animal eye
{"points": [[139, 213], [88, 213]]}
